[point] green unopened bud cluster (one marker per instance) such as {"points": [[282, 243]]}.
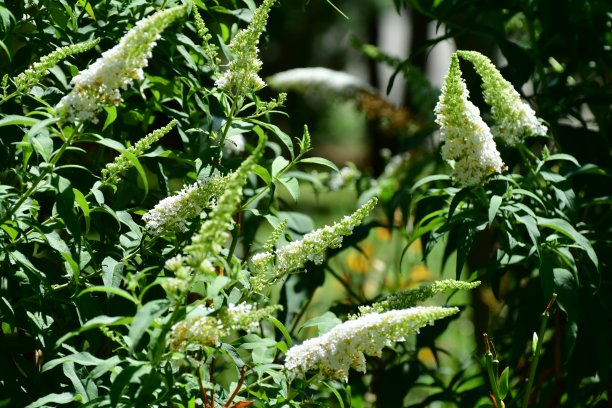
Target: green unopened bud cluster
{"points": [[113, 171], [209, 49], [311, 247], [409, 298], [242, 75], [34, 73]]}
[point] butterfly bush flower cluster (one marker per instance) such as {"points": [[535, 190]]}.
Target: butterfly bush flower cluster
{"points": [[513, 119], [32, 75], [113, 171], [346, 345], [172, 213], [468, 142], [209, 240], [320, 80], [242, 75], [100, 84], [202, 329], [311, 247]]}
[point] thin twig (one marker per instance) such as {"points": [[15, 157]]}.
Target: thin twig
{"points": [[238, 386], [202, 390], [211, 373]]}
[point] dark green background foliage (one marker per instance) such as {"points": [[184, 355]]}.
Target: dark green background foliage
{"points": [[547, 230]]}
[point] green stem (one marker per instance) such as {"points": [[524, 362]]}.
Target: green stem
{"points": [[43, 174], [346, 286], [8, 97], [490, 370], [538, 350], [230, 119]]}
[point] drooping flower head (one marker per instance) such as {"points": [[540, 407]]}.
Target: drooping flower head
{"points": [[242, 75], [513, 119], [468, 142], [101, 83], [346, 345]]}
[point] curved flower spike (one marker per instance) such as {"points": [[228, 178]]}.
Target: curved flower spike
{"points": [[469, 145], [100, 84], [514, 119], [242, 75]]}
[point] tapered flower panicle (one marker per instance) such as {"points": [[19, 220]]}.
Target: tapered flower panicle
{"points": [[242, 76], [311, 247], [100, 84], [468, 142], [346, 345], [513, 119], [172, 213]]}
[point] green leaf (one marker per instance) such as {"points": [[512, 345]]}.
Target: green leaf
{"points": [[285, 138], [321, 161], [336, 394], [63, 398], [105, 289], [111, 115], [18, 120], [23, 260], [262, 173], [324, 323], [77, 383], [136, 163], [84, 206], [531, 225], [217, 284], [503, 383], [494, 207], [96, 322], [278, 165], [143, 320], [556, 157], [112, 273], [430, 179], [124, 378], [568, 301], [292, 186], [281, 328], [566, 229], [83, 358], [65, 206]]}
